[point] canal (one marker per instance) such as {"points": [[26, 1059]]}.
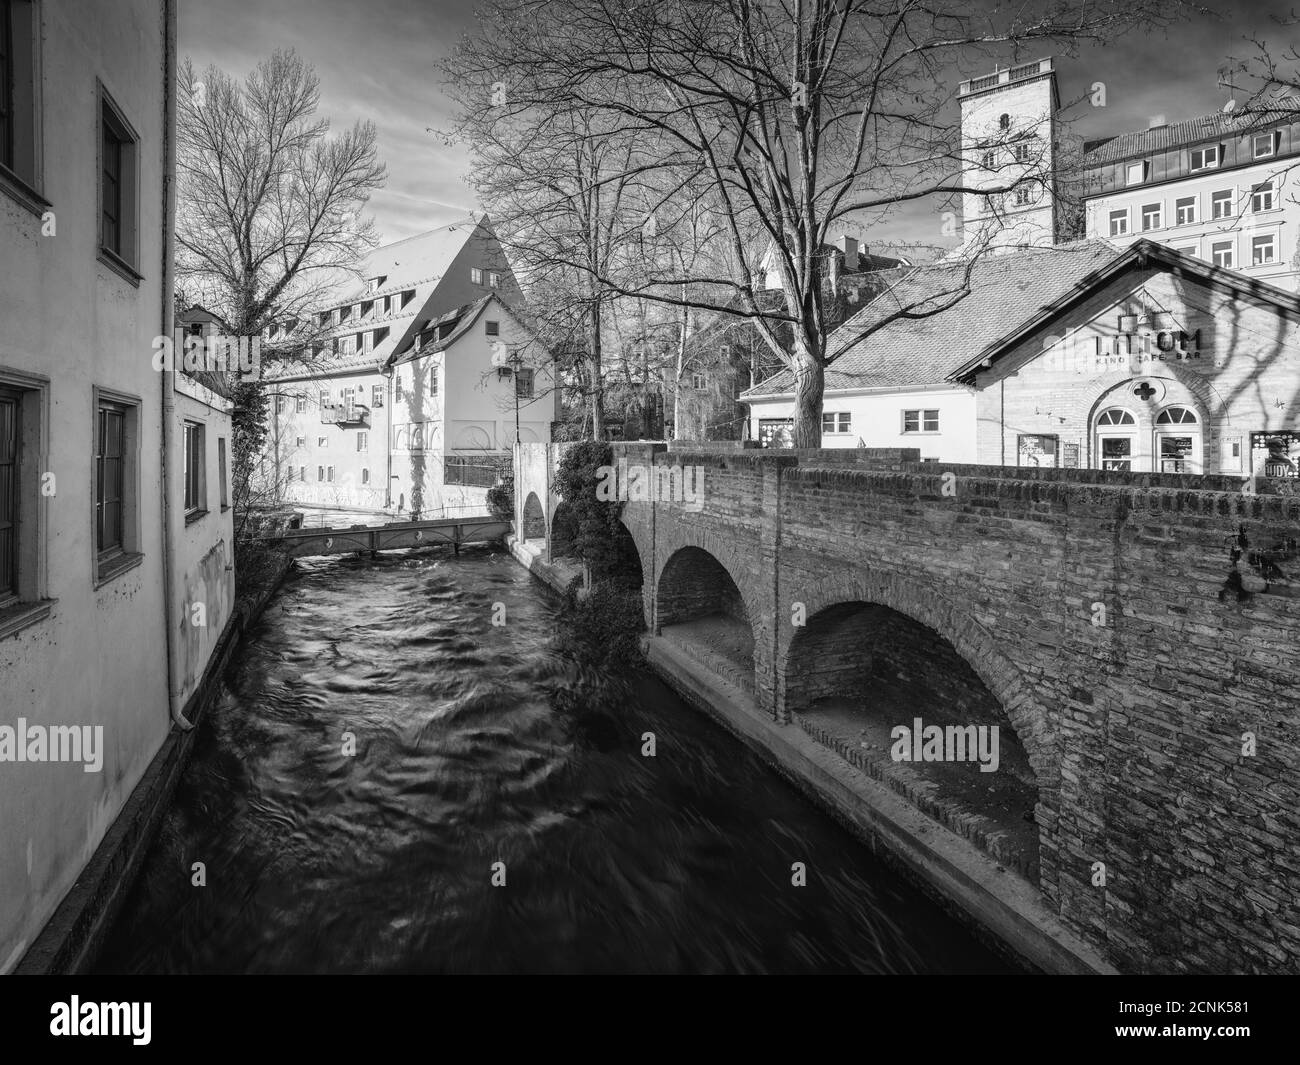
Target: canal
{"points": [[380, 745]]}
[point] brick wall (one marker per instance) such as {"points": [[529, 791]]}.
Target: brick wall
{"points": [[1133, 726]]}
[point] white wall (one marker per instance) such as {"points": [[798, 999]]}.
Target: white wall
{"points": [[876, 420], [98, 658]]}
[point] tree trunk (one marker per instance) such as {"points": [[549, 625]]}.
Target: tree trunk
{"points": [[597, 377], [809, 383]]}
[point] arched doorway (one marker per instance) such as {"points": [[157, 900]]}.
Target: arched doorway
{"points": [[699, 607], [896, 699], [1178, 443]]}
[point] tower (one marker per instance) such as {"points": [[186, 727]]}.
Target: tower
{"points": [[1008, 137]]}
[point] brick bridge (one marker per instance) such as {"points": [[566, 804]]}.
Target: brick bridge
{"points": [[1135, 636]]}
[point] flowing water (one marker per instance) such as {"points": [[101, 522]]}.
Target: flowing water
{"points": [[477, 744]]}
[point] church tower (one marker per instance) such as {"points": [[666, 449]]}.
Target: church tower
{"points": [[1009, 144]]}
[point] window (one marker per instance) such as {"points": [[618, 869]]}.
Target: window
{"points": [[836, 422], [365, 475], [1151, 216], [1189, 249], [324, 399], [475, 276], [279, 404], [329, 473], [1262, 145], [10, 434], [302, 473], [1221, 204], [1118, 223], [1263, 250], [223, 491], [1116, 417], [1175, 416], [322, 441], [1022, 197], [117, 184], [195, 494], [377, 395], [492, 329], [524, 384], [1261, 197], [320, 473], [1185, 210], [1205, 158], [302, 405], [18, 95], [397, 385], [1135, 173], [989, 160], [494, 280], [699, 382], [116, 488], [1223, 254], [1021, 152], [300, 441], [920, 421], [433, 380], [363, 441]]}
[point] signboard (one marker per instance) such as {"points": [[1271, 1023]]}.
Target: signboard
{"points": [[1037, 450], [1275, 454]]}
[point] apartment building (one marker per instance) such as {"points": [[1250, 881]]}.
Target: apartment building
{"points": [[336, 439], [1220, 188], [116, 568]]}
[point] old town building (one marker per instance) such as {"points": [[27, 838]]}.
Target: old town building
{"points": [[116, 540], [348, 430]]}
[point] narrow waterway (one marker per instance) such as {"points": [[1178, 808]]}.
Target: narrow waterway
{"points": [[477, 744]]}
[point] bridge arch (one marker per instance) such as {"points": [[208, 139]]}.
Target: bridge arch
{"points": [[533, 519], [975, 645], [698, 601]]}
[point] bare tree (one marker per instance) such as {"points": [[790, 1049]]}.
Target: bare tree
{"points": [[268, 215], [795, 115]]}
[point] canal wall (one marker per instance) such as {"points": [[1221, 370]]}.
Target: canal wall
{"points": [[1137, 631], [72, 938]]}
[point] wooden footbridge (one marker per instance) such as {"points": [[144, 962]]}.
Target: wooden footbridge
{"points": [[391, 537]]}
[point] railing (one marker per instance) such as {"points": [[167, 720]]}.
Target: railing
{"points": [[1004, 77]]}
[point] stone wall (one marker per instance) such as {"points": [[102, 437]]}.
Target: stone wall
{"points": [[1096, 609]]}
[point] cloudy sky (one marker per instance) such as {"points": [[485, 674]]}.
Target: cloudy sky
{"points": [[379, 60]]}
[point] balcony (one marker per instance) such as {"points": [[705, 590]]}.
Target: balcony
{"points": [[346, 414]]}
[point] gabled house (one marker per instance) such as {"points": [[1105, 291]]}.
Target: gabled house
{"points": [[333, 431], [1143, 360]]}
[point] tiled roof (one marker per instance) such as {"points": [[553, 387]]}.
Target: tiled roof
{"points": [[1191, 132], [464, 318], [1005, 291]]}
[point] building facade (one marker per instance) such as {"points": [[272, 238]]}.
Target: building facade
{"points": [[116, 575]]}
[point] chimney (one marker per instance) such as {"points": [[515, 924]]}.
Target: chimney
{"points": [[849, 245]]}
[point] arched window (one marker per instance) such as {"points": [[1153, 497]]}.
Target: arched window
{"points": [[1176, 416], [1115, 416], [1004, 122]]}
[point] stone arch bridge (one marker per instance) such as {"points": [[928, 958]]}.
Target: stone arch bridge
{"points": [[1136, 638]]}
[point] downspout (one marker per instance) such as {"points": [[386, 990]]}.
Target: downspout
{"points": [[167, 378], [388, 437]]}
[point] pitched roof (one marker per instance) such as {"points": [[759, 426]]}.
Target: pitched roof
{"points": [[1004, 291], [461, 319], [1192, 131], [1140, 255], [421, 258]]}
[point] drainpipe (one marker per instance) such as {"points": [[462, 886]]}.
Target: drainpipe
{"points": [[388, 437], [167, 376]]}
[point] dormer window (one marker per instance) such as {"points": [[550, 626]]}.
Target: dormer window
{"points": [[1263, 145], [494, 280], [1135, 173], [375, 283], [1205, 158], [475, 276]]}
